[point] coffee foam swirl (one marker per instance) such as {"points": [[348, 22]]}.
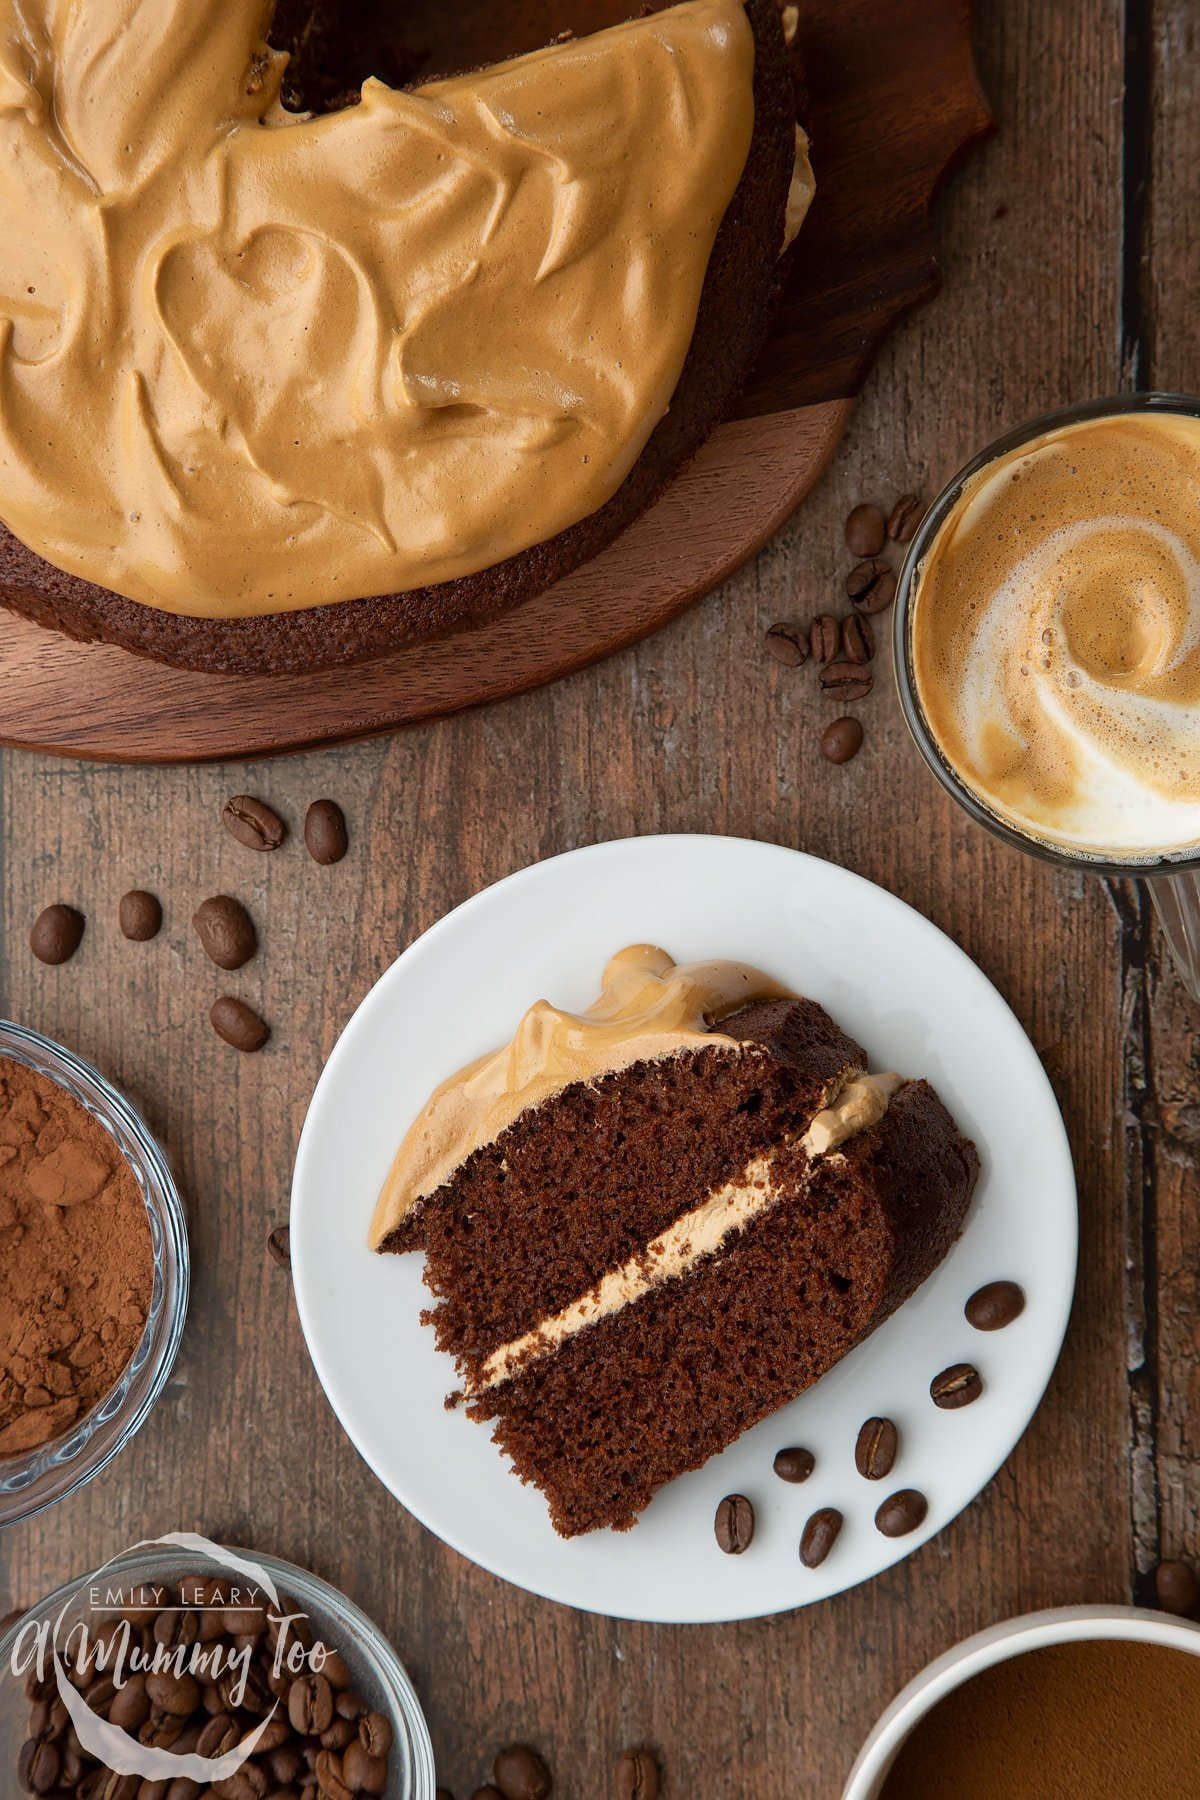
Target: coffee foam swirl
{"points": [[1055, 635]]}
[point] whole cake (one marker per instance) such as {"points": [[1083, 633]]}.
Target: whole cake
{"points": [[299, 366], [650, 1225]]}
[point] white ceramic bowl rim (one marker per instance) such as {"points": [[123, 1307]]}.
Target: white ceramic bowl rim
{"points": [[997, 1644], [51, 1471]]}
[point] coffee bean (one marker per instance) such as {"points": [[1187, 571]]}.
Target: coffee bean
{"points": [[226, 931], [442, 1794], [178, 1695], [375, 1733], [1177, 1589], [487, 1792], [637, 1776], [219, 1734], [865, 531], [734, 1524], [364, 1773], [348, 1704], [871, 586], [824, 637], [39, 1771], [993, 1307], [279, 1243], [325, 832], [955, 1387], [339, 1734], [794, 1464], [845, 681], [819, 1536], [330, 1778], [310, 1704], [858, 640], [139, 915], [520, 1774], [253, 823], [901, 1513], [904, 518], [57, 933], [238, 1025], [875, 1451], [788, 644], [841, 740]]}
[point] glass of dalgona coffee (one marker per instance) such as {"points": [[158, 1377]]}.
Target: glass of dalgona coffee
{"points": [[1048, 645]]}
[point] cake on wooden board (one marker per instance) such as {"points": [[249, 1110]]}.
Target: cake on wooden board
{"points": [[651, 1225], [230, 447]]}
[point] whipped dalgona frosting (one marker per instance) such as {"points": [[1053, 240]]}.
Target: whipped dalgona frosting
{"points": [[1055, 636], [253, 361]]}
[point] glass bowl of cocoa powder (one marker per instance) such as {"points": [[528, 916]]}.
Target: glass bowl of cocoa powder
{"points": [[94, 1272]]}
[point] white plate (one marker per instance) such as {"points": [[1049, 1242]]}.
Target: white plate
{"points": [[895, 982]]}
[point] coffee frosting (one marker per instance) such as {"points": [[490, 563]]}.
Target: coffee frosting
{"points": [[649, 1008], [253, 361], [1055, 636]]}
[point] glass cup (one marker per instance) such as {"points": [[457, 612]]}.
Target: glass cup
{"points": [[1173, 881]]}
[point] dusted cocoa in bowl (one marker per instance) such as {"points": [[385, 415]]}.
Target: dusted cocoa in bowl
{"points": [[76, 1260]]}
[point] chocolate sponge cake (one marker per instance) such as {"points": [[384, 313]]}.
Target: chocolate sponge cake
{"points": [[650, 1226], [333, 48]]}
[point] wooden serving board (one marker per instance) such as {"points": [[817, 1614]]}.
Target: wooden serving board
{"points": [[894, 104]]}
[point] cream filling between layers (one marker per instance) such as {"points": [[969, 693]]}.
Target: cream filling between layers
{"points": [[696, 1235]]}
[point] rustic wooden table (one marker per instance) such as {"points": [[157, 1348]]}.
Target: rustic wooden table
{"points": [[1071, 248]]}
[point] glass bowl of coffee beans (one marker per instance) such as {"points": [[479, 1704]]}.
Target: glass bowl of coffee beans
{"points": [[94, 1272], [183, 1668]]}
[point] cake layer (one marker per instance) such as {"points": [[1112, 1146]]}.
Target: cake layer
{"points": [[666, 1382], [739, 284], [577, 1187]]}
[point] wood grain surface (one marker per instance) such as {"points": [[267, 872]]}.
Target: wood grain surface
{"points": [[1071, 248], [893, 103]]}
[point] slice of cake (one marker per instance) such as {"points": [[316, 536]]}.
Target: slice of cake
{"points": [[651, 1225]]}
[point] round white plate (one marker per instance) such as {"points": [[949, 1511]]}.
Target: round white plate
{"points": [[892, 980]]}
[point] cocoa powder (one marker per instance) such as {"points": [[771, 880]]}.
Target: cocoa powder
{"points": [[1070, 1722], [76, 1262]]}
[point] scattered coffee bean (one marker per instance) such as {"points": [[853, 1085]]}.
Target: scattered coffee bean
{"points": [[845, 681], [637, 1776], [871, 586], [253, 823], [865, 531], [734, 1524], [819, 1536], [57, 933], [993, 1307], [858, 640], [234, 1021], [824, 637], [279, 1243], [875, 1451], [788, 644], [520, 1774], [904, 518], [841, 740], [956, 1386], [1177, 1589], [794, 1464], [325, 832], [139, 915], [226, 931], [310, 1704], [901, 1513]]}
